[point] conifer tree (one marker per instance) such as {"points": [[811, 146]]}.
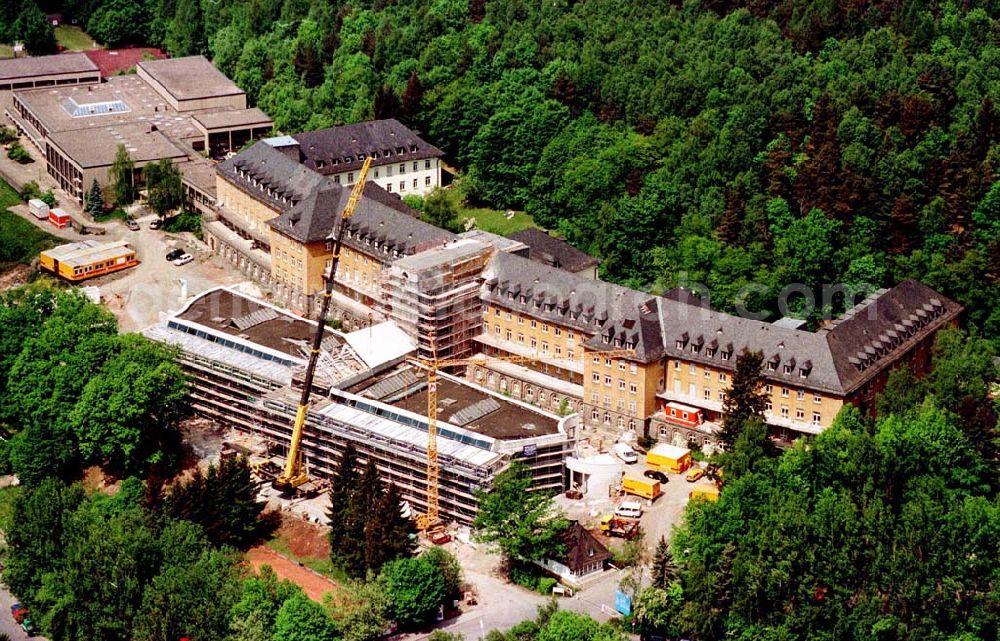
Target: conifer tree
{"points": [[95, 199], [367, 494], [342, 485], [745, 399], [388, 534], [664, 568]]}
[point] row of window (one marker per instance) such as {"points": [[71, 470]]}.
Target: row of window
{"points": [[225, 342], [800, 414], [596, 378], [595, 416], [402, 184], [534, 323], [595, 399]]}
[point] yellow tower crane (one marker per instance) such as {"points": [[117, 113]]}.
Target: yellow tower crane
{"points": [[294, 474], [432, 365]]}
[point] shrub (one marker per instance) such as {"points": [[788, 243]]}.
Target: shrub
{"points": [[17, 153], [30, 190], [7, 135], [545, 584], [185, 221]]}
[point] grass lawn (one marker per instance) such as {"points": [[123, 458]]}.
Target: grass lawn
{"points": [[323, 566], [8, 196], [491, 220], [20, 241], [74, 38]]}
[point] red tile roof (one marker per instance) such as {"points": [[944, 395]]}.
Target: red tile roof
{"points": [[112, 61]]}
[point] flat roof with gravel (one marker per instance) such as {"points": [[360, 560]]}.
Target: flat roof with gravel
{"points": [[190, 78], [34, 66]]}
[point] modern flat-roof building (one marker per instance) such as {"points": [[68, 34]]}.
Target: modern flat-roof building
{"points": [[46, 71], [175, 108], [246, 358]]}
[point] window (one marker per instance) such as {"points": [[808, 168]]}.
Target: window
{"points": [[800, 395], [597, 360], [520, 338], [594, 398], [707, 394], [817, 398], [496, 312], [388, 187], [631, 426], [427, 180], [508, 334], [570, 335], [708, 374], [593, 415], [557, 331], [545, 328], [558, 350], [692, 369], [722, 396], [607, 402], [788, 368], [768, 388], [402, 185], [784, 411], [402, 167], [621, 405], [817, 418], [414, 183], [784, 392], [534, 343], [427, 163], [800, 413], [509, 317], [497, 327], [376, 173], [723, 377], [607, 381], [545, 347], [632, 388], [726, 355], [771, 366], [534, 323], [570, 355], [679, 344], [768, 407], [414, 165], [621, 383], [632, 368], [677, 364], [607, 362], [520, 320]]}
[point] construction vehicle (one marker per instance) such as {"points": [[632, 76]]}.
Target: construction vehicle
{"points": [[294, 475], [627, 529], [433, 365]]}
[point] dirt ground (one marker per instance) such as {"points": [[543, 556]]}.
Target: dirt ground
{"points": [[14, 277], [303, 539], [314, 585]]}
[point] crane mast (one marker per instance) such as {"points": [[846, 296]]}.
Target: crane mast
{"points": [[294, 474], [432, 365]]}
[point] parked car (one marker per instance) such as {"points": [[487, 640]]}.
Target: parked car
{"points": [[132, 225], [625, 452], [183, 259], [629, 510], [175, 254], [694, 474], [155, 224], [655, 475]]}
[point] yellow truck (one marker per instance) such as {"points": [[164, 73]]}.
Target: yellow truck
{"points": [[705, 492], [669, 458], [646, 488]]}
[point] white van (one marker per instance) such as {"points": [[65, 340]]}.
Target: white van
{"points": [[629, 510], [625, 452]]}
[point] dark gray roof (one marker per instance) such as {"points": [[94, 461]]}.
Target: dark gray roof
{"points": [[265, 173], [615, 317], [190, 78], [837, 359], [384, 224], [311, 204], [867, 337], [553, 251], [344, 148]]}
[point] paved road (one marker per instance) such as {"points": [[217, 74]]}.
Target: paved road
{"points": [[7, 623]]}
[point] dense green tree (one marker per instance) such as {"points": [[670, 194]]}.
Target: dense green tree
{"points": [[302, 619], [416, 588], [127, 414], [439, 210], [522, 523], [118, 22], [745, 398], [185, 34], [122, 175], [364, 613], [343, 484], [222, 501], [34, 29], [388, 534], [164, 191]]}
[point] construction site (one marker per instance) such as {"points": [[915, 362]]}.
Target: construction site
{"points": [[247, 361]]}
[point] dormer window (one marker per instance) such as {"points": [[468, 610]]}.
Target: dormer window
{"points": [[679, 344], [710, 352], [695, 348], [772, 366], [788, 368], [725, 355]]}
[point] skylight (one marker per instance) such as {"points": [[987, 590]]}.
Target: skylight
{"points": [[94, 108]]}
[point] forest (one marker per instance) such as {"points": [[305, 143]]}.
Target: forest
{"points": [[715, 143]]}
